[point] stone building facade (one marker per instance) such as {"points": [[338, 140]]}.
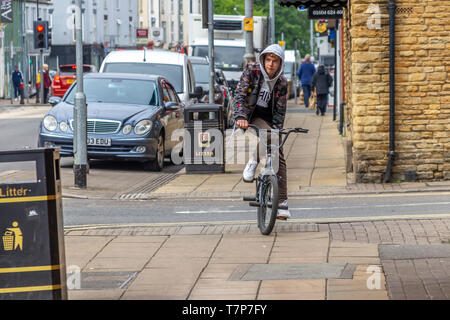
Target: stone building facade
{"points": [[422, 88]]}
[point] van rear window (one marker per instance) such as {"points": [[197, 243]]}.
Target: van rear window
{"points": [[173, 73]]}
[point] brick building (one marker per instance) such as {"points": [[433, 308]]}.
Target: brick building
{"points": [[419, 143]]}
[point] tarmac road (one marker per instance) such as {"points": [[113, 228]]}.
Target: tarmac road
{"points": [[306, 209]]}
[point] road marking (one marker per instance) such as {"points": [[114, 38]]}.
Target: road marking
{"points": [[326, 208], [310, 220]]}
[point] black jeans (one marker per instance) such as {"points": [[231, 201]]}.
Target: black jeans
{"points": [[16, 90], [322, 102]]}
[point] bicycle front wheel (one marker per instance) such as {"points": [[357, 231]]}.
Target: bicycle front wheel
{"points": [[268, 210]]}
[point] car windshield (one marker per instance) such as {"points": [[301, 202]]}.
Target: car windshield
{"points": [[173, 73], [201, 73], [226, 58], [288, 68], [125, 91]]}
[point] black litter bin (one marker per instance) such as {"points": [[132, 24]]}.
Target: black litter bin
{"points": [[32, 258], [203, 148]]}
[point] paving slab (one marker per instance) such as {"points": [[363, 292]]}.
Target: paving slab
{"points": [[407, 251]]}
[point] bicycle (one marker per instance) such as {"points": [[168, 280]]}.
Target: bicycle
{"points": [[266, 196]]}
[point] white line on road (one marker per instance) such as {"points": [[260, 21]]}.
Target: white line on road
{"points": [[325, 208]]}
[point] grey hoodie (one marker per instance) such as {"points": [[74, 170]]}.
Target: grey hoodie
{"points": [[279, 51]]}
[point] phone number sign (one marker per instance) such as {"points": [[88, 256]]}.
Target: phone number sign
{"points": [[325, 13]]}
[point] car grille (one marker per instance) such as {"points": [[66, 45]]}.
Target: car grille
{"points": [[100, 126], [69, 148]]}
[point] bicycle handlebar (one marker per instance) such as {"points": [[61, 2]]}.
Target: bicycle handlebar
{"points": [[286, 132]]}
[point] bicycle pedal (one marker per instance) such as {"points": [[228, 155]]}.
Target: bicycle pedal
{"points": [[254, 204], [282, 218], [249, 199]]}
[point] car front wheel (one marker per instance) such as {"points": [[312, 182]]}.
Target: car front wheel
{"points": [[158, 163]]}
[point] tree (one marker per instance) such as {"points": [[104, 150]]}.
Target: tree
{"points": [[293, 23]]}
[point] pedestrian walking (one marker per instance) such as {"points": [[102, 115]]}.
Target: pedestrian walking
{"points": [[47, 83], [261, 99], [322, 82], [17, 81], [305, 73]]}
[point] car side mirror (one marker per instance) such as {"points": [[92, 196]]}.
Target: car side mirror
{"points": [[54, 100], [198, 93], [171, 105]]}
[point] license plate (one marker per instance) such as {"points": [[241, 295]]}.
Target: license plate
{"points": [[70, 81], [106, 142]]}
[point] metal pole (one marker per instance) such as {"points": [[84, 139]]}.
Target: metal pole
{"points": [[24, 57], [335, 70], [249, 49], [41, 66], [272, 21], [311, 37], [294, 74], [211, 49], [80, 112]]}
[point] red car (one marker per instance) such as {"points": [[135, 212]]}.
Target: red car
{"points": [[66, 76]]}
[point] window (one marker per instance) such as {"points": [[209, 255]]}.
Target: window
{"points": [[173, 73], [172, 31]]}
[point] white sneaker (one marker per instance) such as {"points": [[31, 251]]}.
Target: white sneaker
{"points": [[284, 214], [249, 171]]}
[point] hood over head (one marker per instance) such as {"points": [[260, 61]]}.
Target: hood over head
{"points": [[279, 52], [321, 69]]}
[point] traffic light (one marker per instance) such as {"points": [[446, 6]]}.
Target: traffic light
{"points": [[40, 34]]}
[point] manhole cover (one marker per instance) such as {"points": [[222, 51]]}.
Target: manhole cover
{"points": [[409, 251], [256, 272]]}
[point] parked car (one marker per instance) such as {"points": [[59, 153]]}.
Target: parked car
{"points": [[222, 93], [65, 77], [129, 117], [174, 66]]}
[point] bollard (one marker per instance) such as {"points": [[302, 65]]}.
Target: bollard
{"points": [[32, 257]]}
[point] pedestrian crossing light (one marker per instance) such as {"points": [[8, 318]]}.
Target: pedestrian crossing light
{"points": [[40, 34]]}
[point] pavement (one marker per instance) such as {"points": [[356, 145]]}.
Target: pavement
{"points": [[393, 259]]}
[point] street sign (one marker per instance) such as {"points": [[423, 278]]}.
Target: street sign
{"points": [[6, 11], [320, 26], [248, 24], [325, 13], [302, 9]]}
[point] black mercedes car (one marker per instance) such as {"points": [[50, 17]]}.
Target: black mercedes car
{"points": [[129, 117]]}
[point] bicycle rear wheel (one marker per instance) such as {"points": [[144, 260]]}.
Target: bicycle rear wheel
{"points": [[267, 212]]}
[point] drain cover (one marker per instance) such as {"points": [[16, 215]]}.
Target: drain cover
{"points": [[255, 272], [409, 251]]}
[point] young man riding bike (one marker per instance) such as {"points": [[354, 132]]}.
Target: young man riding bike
{"points": [[260, 99]]}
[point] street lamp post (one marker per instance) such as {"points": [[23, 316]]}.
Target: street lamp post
{"points": [[80, 112], [249, 49], [272, 21], [211, 49]]}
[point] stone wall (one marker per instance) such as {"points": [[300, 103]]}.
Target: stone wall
{"points": [[422, 88]]}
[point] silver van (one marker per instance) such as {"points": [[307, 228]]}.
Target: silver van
{"points": [[173, 66]]}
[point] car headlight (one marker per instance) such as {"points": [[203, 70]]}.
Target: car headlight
{"points": [[142, 127], [63, 126], [50, 123], [126, 129]]}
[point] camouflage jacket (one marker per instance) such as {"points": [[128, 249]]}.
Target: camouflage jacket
{"points": [[247, 91]]}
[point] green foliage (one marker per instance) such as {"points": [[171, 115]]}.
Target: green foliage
{"points": [[293, 23]]}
